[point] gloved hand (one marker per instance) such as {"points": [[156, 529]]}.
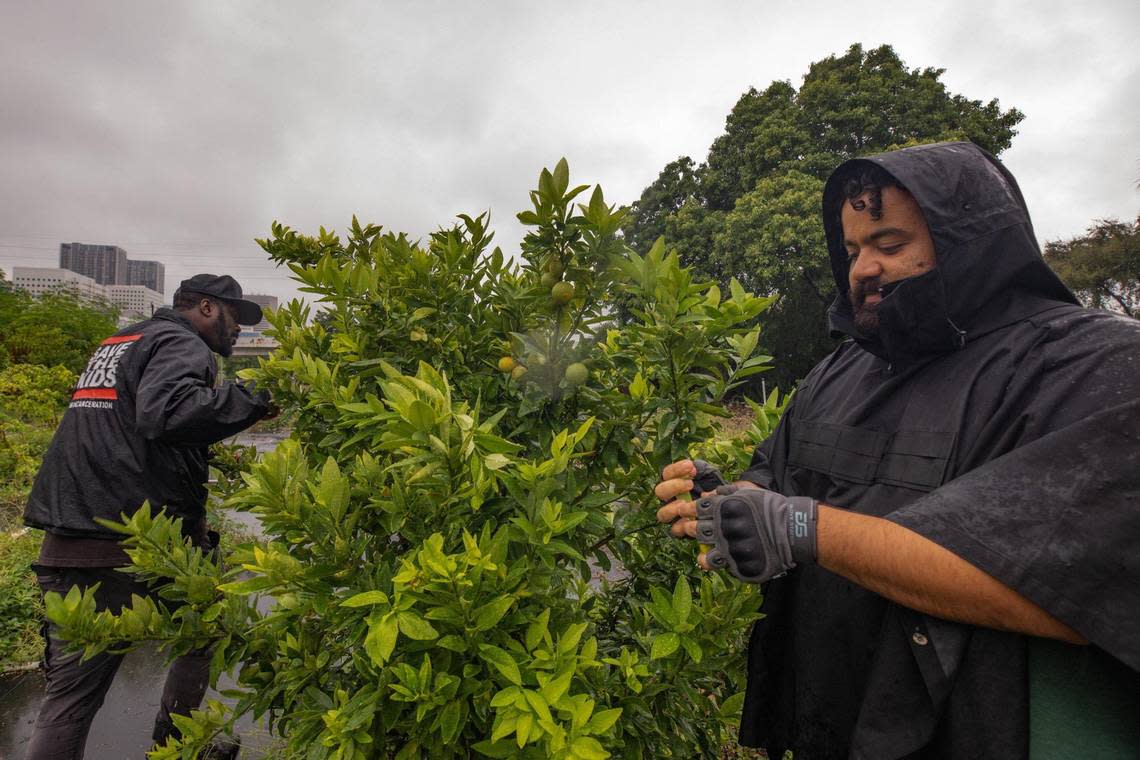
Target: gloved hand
{"points": [[755, 533], [708, 478]]}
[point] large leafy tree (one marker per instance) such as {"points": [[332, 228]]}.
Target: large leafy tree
{"points": [[752, 209], [1102, 266]]}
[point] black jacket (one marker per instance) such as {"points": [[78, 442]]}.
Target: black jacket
{"points": [[991, 415], [140, 422]]}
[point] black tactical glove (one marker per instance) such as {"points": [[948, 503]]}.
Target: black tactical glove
{"points": [[757, 534], [708, 478]]}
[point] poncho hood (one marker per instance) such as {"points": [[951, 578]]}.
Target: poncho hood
{"points": [[989, 269]]}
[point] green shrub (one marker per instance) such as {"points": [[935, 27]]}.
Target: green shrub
{"points": [[439, 527], [35, 393], [32, 398], [20, 609]]}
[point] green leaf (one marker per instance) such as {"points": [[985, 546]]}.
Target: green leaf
{"points": [[496, 461], [569, 639], [537, 631], [661, 607], [334, 488], [639, 389], [713, 296], [381, 639], [489, 614], [522, 729], [748, 343], [737, 290], [247, 586], [454, 643], [561, 177], [445, 615], [692, 648], [588, 748], [497, 749], [546, 186], [682, 599], [421, 415], [553, 689], [664, 645], [538, 705], [365, 598], [731, 707], [415, 627], [449, 724], [602, 721], [502, 661], [505, 696]]}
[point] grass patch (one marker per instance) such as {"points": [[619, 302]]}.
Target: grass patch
{"points": [[20, 606]]}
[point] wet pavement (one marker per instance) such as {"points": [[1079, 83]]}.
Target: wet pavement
{"points": [[122, 728]]}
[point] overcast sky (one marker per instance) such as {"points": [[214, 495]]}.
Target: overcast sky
{"points": [[180, 131]]}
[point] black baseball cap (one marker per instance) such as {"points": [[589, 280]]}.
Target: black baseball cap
{"points": [[224, 288]]}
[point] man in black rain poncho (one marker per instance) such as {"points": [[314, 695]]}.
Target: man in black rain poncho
{"points": [[953, 493]]}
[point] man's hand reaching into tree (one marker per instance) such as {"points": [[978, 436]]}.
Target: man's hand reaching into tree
{"points": [[755, 533]]}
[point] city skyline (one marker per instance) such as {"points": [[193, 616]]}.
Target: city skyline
{"points": [[139, 272], [110, 265], [79, 261]]}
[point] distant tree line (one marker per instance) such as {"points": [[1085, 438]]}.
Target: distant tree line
{"points": [[56, 329], [1102, 266]]}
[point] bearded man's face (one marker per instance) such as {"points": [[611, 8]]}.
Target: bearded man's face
{"points": [[881, 251]]}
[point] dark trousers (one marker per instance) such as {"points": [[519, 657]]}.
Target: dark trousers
{"points": [[75, 690]]}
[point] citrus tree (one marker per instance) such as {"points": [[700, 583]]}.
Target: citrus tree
{"points": [[461, 555]]}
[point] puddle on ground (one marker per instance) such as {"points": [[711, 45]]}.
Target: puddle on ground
{"points": [[263, 442]]}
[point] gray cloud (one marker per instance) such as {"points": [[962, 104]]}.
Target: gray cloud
{"points": [[180, 131]]}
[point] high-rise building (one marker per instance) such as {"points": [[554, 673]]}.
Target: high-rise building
{"points": [[134, 301], [105, 264], [265, 302], [40, 280], [150, 274]]}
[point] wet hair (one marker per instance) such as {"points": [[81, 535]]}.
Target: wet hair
{"points": [[868, 181], [184, 301]]}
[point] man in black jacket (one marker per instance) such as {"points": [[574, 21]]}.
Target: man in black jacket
{"points": [[138, 427], [946, 516]]}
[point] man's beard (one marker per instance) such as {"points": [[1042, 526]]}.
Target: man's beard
{"points": [[223, 347], [866, 316]]}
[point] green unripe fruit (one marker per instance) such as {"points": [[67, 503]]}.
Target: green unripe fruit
{"points": [[561, 293], [548, 280], [507, 363], [576, 374], [554, 266], [518, 372]]}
